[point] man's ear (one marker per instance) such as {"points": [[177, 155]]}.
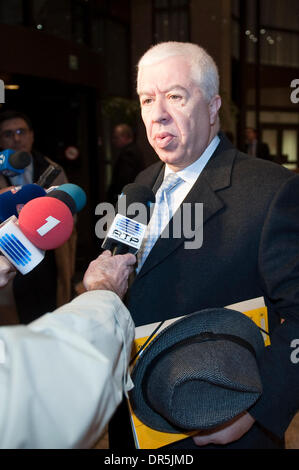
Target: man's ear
{"points": [[214, 107]]}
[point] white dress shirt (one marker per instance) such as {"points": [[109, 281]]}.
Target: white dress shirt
{"points": [[189, 176], [24, 178]]}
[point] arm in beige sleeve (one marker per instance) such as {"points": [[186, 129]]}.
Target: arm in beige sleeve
{"points": [[63, 375]]}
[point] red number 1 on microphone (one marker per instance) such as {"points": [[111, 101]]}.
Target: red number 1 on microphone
{"points": [[49, 225]]}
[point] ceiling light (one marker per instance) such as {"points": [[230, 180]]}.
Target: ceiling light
{"points": [[12, 87]]}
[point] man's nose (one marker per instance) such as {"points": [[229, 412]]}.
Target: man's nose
{"points": [[159, 111], [16, 137]]}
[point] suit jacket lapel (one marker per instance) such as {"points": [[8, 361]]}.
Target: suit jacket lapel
{"points": [[215, 177]]}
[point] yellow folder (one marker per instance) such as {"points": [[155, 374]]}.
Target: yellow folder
{"points": [[148, 438]]}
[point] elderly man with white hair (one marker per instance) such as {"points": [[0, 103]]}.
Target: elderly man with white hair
{"points": [[249, 233]]}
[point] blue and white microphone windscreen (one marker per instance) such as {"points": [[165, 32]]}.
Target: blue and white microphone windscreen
{"points": [[18, 249]]}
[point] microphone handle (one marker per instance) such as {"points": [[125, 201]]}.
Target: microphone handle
{"points": [[117, 247], [48, 176], [123, 249]]}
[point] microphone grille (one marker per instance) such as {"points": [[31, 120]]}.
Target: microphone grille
{"points": [[19, 160], [65, 198], [136, 193]]}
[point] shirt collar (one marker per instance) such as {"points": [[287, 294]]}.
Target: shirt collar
{"points": [[191, 172]]}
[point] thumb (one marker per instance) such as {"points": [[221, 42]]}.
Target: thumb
{"points": [[106, 254]]}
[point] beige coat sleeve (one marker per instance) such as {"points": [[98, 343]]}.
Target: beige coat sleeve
{"points": [[63, 375]]}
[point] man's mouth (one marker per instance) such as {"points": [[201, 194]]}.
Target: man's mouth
{"points": [[163, 139]]}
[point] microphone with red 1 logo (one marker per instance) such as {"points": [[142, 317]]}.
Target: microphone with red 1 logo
{"points": [[128, 228], [47, 222], [44, 223]]}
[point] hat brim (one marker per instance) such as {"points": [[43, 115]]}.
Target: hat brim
{"points": [[223, 321]]}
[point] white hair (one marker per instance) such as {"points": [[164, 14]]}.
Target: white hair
{"points": [[204, 71]]}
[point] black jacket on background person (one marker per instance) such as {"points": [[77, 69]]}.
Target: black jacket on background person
{"points": [[261, 151], [128, 165], [36, 292]]}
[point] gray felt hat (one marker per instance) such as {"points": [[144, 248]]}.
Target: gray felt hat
{"points": [[199, 372]]}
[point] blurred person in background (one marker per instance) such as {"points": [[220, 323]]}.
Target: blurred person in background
{"points": [[129, 161], [255, 148], [49, 285]]}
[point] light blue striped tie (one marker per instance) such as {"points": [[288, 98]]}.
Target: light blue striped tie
{"points": [[159, 219]]}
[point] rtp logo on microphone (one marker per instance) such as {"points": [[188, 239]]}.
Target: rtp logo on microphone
{"points": [[127, 231]]}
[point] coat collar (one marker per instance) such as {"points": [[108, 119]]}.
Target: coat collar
{"points": [[215, 177]]}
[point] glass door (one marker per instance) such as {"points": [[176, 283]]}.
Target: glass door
{"points": [[283, 142], [290, 148]]}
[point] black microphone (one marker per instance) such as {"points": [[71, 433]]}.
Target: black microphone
{"points": [[65, 198], [48, 176], [13, 163], [133, 213], [20, 160]]}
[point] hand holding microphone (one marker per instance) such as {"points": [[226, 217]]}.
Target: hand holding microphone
{"points": [[109, 272], [124, 238], [44, 223], [128, 229], [48, 221], [7, 271]]}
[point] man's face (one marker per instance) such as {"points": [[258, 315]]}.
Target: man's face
{"points": [[179, 122], [15, 134]]}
